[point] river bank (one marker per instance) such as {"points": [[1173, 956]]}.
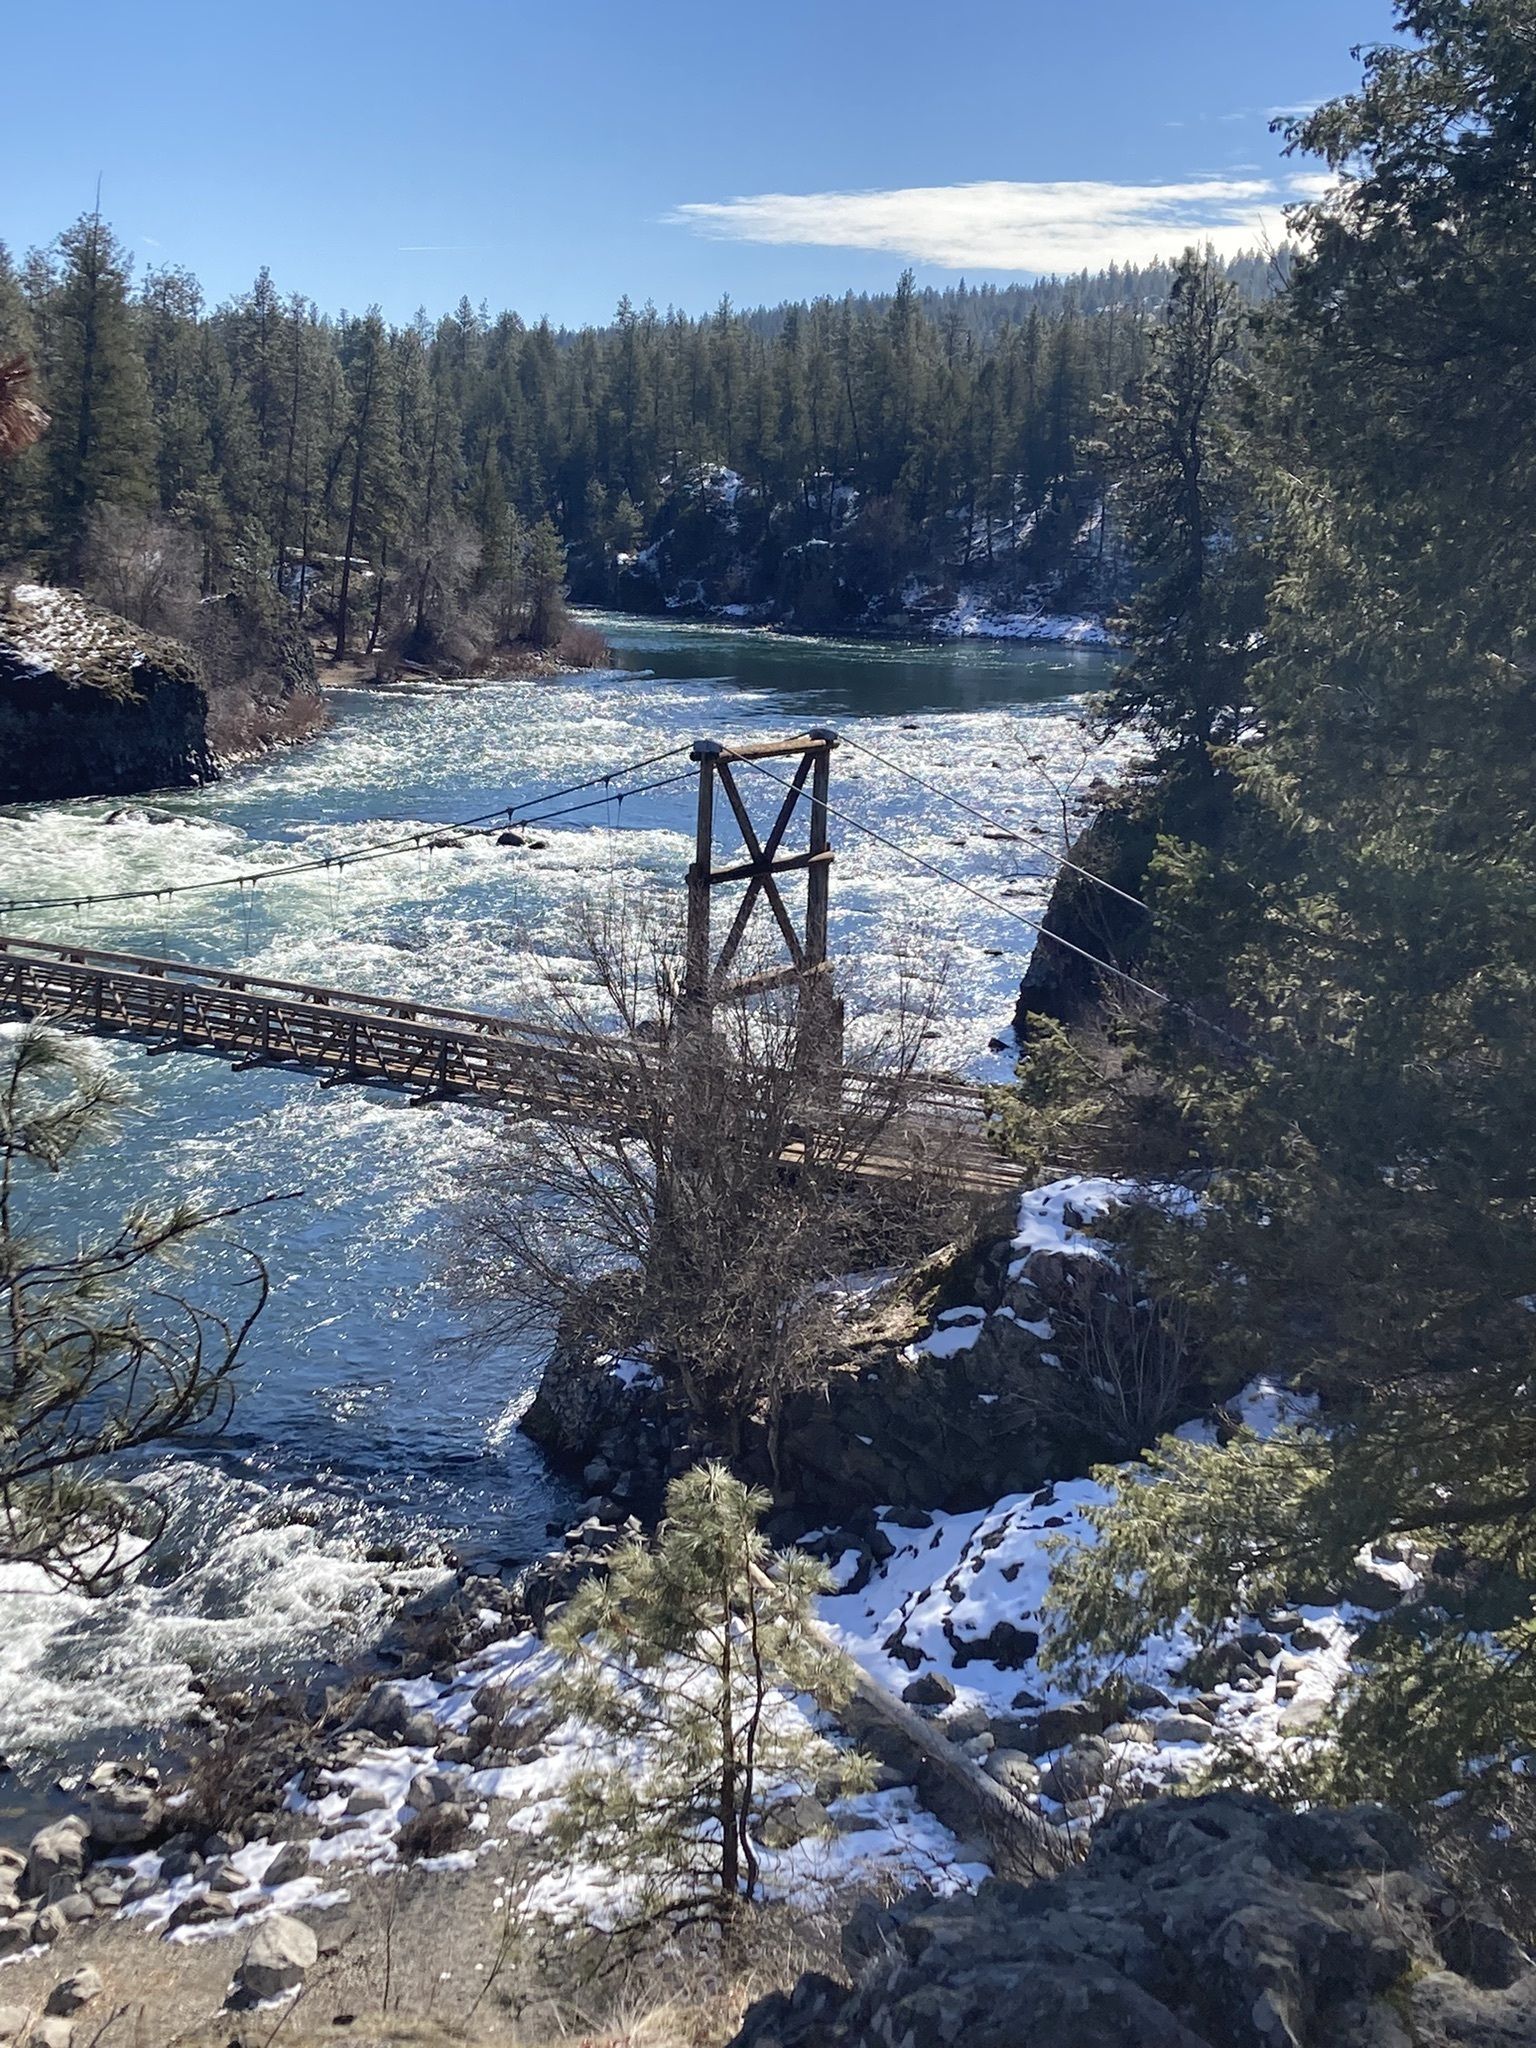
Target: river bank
{"points": [[929, 617]]}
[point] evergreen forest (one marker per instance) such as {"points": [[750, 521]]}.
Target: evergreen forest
{"points": [[805, 460]]}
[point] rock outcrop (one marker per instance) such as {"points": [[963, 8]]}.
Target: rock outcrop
{"points": [[91, 705], [959, 1386], [1223, 1922]]}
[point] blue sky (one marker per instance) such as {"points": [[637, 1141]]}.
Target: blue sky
{"points": [[553, 156]]}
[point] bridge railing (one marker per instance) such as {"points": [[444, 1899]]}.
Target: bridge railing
{"points": [[428, 1050]]}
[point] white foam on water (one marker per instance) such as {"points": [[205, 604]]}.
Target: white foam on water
{"points": [[238, 1588]]}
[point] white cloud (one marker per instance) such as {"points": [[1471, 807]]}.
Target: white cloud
{"points": [[1041, 228]]}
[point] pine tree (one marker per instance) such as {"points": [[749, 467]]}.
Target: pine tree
{"points": [[1171, 451], [101, 448], [545, 582], [21, 466], [688, 1653], [372, 454], [1370, 1206]]}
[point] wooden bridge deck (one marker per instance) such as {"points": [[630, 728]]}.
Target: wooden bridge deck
{"points": [[430, 1052]]}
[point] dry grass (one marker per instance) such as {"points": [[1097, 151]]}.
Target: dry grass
{"points": [[418, 1957]]}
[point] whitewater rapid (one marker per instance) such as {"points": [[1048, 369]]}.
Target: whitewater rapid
{"points": [[368, 1427]]}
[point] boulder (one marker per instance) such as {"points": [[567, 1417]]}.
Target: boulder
{"points": [[1183, 1728], [1369, 1589], [290, 1862], [1129, 1731], [16, 1935], [1076, 1775], [434, 1788], [792, 1820], [966, 1724], [384, 1712], [1058, 1726], [1218, 1922], [58, 1850], [932, 1689], [201, 1910], [124, 1815], [1012, 1769], [13, 2021], [282, 1950], [1006, 1645], [72, 1993], [53, 1923], [419, 1731], [366, 1799], [51, 2031], [1141, 1698], [91, 705]]}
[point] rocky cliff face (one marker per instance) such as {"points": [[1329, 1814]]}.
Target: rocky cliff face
{"points": [[1223, 1922], [91, 705]]}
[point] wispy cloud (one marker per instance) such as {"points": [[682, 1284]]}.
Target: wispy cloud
{"points": [[1298, 111], [1004, 226], [430, 248]]}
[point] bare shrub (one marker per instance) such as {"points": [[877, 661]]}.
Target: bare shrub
{"points": [[242, 723], [1126, 1360], [584, 647], [740, 1168], [241, 1766], [22, 419], [144, 569]]}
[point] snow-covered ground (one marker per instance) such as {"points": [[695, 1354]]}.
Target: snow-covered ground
{"points": [[881, 1838], [60, 633], [972, 618], [961, 1597], [968, 1583], [958, 1602]]}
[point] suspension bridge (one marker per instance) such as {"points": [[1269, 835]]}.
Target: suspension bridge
{"points": [[433, 1053]]}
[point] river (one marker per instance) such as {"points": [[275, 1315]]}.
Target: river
{"points": [[366, 1422]]}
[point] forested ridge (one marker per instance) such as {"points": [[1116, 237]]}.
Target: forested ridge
{"points": [[805, 459]]}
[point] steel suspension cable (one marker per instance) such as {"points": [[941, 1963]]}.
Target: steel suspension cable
{"points": [[510, 814], [996, 824], [994, 903]]}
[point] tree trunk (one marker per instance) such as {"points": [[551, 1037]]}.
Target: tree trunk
{"points": [[359, 455]]}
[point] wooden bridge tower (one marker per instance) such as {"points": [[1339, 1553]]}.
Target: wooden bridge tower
{"points": [[708, 974]]}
